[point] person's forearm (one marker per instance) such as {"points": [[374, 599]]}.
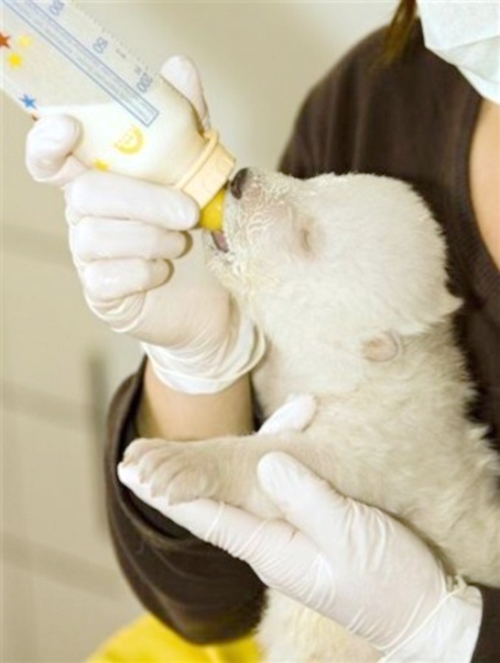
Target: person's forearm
{"points": [[174, 415]]}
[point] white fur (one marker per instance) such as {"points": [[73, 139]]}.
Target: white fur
{"points": [[346, 277]]}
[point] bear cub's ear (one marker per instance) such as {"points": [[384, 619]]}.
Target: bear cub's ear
{"points": [[383, 347]]}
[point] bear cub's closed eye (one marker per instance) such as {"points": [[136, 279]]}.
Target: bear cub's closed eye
{"points": [[305, 237]]}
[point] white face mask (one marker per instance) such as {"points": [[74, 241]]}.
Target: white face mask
{"points": [[466, 33]]}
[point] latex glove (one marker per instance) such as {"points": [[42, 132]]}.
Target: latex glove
{"points": [[350, 562], [127, 237]]}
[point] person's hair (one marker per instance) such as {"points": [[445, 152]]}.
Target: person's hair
{"points": [[399, 30]]}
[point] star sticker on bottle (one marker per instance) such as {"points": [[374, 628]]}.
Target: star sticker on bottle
{"points": [[14, 60], [24, 41], [4, 40], [28, 101], [100, 165]]}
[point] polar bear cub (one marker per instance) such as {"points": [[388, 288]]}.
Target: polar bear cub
{"points": [[346, 277]]}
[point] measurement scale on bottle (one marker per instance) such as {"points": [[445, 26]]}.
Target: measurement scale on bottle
{"points": [[38, 33]]}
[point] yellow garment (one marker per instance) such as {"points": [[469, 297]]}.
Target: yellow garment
{"points": [[149, 641]]}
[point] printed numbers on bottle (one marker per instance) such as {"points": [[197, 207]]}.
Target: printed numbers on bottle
{"points": [[100, 45], [144, 82], [56, 7]]}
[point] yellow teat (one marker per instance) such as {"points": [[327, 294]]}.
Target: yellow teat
{"points": [[211, 214]]}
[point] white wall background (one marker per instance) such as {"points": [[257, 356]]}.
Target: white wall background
{"points": [[62, 593]]}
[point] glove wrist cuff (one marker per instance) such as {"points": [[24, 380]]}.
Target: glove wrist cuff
{"points": [[449, 634], [208, 373]]}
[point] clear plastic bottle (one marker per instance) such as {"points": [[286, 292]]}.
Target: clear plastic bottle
{"points": [[55, 59]]}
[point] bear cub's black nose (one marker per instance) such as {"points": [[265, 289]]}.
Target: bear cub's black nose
{"points": [[238, 182]]}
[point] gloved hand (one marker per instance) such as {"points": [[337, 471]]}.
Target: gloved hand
{"points": [[124, 234], [350, 562]]}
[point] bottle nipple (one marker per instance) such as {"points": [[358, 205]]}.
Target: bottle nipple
{"points": [[211, 214]]}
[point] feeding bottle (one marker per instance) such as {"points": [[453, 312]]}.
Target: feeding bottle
{"points": [[55, 59]]}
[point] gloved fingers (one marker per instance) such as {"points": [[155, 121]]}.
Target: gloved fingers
{"points": [[48, 147], [281, 556], [181, 72], [201, 517], [284, 479], [264, 544], [96, 238], [295, 415], [110, 280], [120, 197]]}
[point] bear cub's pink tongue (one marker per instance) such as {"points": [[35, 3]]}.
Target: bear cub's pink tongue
{"points": [[236, 189], [220, 240]]}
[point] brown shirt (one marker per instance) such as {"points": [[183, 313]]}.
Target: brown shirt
{"points": [[412, 120]]}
